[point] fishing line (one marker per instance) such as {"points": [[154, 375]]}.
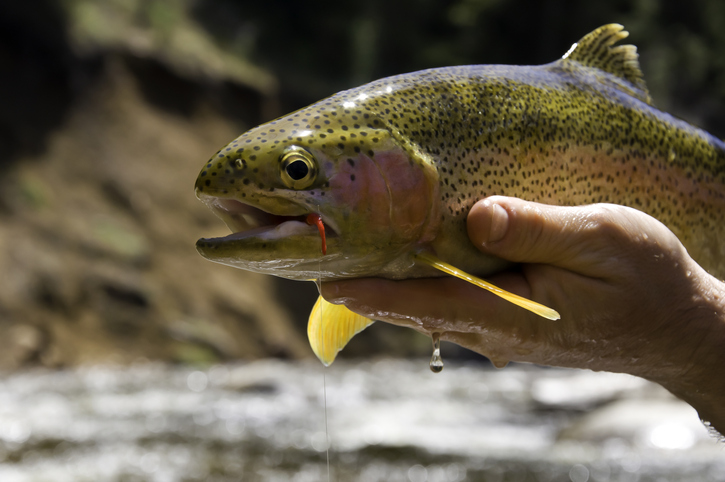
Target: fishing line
{"points": [[324, 372], [324, 396], [327, 432]]}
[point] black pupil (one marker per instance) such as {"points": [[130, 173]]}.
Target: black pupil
{"points": [[297, 170]]}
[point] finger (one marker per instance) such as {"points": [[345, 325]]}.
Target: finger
{"points": [[432, 304], [462, 313], [570, 237]]}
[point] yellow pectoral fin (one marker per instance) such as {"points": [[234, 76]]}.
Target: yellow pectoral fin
{"points": [[532, 306], [331, 327]]}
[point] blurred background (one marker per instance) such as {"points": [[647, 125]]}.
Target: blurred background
{"points": [[109, 110]]}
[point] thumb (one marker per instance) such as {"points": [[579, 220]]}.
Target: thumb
{"points": [[529, 232]]}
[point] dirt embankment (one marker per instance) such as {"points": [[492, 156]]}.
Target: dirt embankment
{"points": [[98, 218]]}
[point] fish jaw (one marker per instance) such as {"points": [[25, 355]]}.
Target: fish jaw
{"points": [[281, 244], [256, 234]]}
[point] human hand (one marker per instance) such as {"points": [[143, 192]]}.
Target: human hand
{"points": [[631, 299]]}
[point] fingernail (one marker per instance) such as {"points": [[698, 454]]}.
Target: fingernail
{"points": [[499, 224]]}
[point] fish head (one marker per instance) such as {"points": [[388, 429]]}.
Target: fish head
{"points": [[374, 195]]}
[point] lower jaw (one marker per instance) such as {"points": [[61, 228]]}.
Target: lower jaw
{"points": [[297, 258]]}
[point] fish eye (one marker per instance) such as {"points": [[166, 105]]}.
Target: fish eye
{"points": [[298, 168]]}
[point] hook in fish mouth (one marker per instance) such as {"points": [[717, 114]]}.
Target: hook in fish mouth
{"points": [[247, 221]]}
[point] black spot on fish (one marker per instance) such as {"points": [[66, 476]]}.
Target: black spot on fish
{"points": [[352, 177], [351, 162]]}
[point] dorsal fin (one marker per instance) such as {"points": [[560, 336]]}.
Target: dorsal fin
{"points": [[597, 50]]}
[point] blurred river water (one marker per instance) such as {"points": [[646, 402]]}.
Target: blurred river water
{"points": [[387, 420]]}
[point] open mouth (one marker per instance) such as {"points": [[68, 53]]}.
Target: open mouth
{"points": [[247, 221]]}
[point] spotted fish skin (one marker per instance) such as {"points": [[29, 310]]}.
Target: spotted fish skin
{"points": [[576, 131]]}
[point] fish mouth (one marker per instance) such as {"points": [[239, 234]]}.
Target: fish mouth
{"points": [[248, 222]]}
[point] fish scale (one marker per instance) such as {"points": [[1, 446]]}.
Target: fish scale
{"points": [[393, 167]]}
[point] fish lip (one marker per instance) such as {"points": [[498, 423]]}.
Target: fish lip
{"points": [[248, 221]]}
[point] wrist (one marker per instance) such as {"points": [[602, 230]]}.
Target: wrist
{"points": [[693, 370]]}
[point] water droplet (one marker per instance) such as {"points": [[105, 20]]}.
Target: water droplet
{"points": [[436, 361], [500, 363]]}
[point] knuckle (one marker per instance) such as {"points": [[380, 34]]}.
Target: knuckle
{"points": [[604, 221]]}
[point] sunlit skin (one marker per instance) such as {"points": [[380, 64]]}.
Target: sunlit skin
{"points": [[631, 298]]}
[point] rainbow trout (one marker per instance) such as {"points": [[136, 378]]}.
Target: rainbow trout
{"points": [[388, 171]]}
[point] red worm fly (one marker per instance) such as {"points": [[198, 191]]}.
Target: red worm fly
{"points": [[315, 220]]}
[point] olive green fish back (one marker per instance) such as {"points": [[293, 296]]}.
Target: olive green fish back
{"points": [[577, 131]]}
